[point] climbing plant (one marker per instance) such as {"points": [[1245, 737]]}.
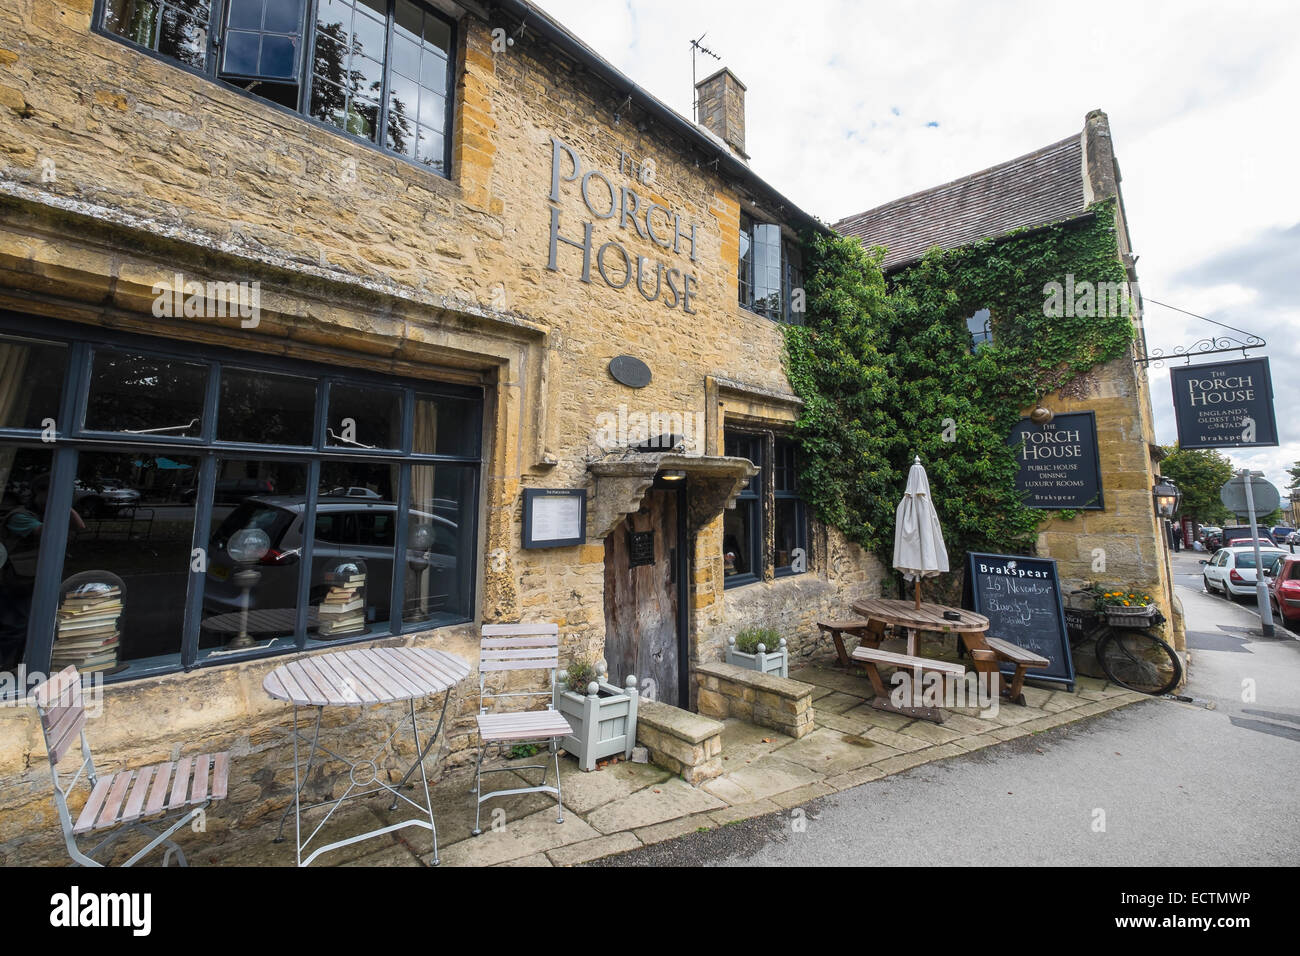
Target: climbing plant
{"points": [[886, 371]]}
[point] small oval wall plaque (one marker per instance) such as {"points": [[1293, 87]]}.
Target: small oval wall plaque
{"points": [[630, 371]]}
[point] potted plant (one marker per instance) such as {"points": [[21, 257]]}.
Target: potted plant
{"points": [[759, 649], [603, 716], [1127, 608]]}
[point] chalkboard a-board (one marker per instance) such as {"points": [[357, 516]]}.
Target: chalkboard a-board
{"points": [[1021, 597]]}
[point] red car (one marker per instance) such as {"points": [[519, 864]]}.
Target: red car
{"points": [[1284, 590]]}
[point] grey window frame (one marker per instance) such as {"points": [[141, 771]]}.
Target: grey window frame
{"points": [[72, 438]]}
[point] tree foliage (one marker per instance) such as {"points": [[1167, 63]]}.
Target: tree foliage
{"points": [[1199, 474]]}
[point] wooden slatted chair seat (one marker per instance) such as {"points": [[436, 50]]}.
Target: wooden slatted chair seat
{"points": [[523, 725], [131, 795], [170, 793]]}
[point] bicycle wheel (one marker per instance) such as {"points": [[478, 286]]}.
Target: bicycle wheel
{"points": [[1139, 661]]}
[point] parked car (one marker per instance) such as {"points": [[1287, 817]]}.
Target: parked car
{"points": [[1284, 589], [1281, 532], [231, 491], [102, 497], [346, 529], [1233, 534], [1232, 570], [1293, 538], [352, 492]]}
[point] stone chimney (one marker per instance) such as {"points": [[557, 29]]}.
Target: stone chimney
{"points": [[721, 109]]}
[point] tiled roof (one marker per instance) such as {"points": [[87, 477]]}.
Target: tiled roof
{"points": [[1040, 188]]}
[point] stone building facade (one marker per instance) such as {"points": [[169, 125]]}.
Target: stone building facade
{"points": [[490, 282]]}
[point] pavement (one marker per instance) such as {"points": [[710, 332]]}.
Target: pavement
{"points": [[1211, 780]]}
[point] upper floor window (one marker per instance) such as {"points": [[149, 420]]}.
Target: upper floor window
{"points": [[770, 270], [378, 70], [980, 326]]}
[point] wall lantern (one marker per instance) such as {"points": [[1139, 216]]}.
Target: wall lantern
{"points": [[1167, 497]]}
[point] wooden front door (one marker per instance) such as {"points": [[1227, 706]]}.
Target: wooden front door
{"points": [[644, 579]]}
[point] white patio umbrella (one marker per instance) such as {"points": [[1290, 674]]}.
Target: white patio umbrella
{"points": [[918, 539]]}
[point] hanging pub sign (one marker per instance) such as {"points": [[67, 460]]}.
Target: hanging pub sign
{"points": [[1224, 404], [1059, 464], [554, 517], [1021, 597]]}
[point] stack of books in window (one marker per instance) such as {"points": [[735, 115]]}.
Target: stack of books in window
{"points": [[343, 609], [86, 629]]}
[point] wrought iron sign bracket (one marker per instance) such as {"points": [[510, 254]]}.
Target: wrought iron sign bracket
{"points": [[1212, 345]]}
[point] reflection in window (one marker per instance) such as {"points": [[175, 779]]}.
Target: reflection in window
{"points": [[417, 85], [439, 543], [31, 381], [981, 330], [764, 280], [261, 49], [352, 560], [255, 548], [790, 522], [129, 524], [145, 394], [22, 521], [446, 426], [175, 28], [265, 408], [364, 417], [742, 526], [348, 65]]}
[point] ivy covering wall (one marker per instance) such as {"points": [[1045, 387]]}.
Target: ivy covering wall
{"points": [[886, 372]]}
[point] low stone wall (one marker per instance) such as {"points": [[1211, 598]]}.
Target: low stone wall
{"points": [[685, 743], [725, 690]]}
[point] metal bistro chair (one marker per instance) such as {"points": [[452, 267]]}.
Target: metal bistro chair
{"points": [[513, 647], [175, 792]]}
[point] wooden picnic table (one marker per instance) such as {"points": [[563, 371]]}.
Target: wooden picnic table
{"points": [[987, 653], [929, 617], [362, 677]]}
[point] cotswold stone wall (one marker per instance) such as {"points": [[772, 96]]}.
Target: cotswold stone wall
{"points": [[117, 170]]}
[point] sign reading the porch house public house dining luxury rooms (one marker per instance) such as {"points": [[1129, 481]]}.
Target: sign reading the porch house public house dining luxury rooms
{"points": [[1224, 404], [1059, 464]]}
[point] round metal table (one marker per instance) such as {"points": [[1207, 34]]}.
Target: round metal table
{"points": [[363, 677]]}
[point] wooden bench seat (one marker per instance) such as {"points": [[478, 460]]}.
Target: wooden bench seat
{"points": [[868, 633], [1009, 653], [872, 658]]}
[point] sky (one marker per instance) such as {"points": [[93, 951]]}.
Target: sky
{"points": [[852, 104]]}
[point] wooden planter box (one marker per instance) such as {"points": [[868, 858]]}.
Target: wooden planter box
{"points": [[603, 720], [1130, 616], [765, 662]]}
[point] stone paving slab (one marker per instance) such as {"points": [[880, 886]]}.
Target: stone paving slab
{"points": [[518, 838], [675, 798], [589, 850], [584, 791], [765, 779], [829, 752]]}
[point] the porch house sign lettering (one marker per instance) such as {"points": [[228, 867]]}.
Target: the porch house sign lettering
{"points": [[1059, 464], [1224, 404], [655, 279]]}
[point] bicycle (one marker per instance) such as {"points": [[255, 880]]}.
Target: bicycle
{"points": [[1129, 655]]}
